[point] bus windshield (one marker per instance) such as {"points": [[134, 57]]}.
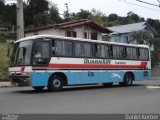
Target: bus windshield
{"points": [[21, 54], [31, 52]]}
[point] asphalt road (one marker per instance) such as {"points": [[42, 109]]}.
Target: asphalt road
{"points": [[87, 99]]}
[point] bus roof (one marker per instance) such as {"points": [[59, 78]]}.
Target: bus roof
{"points": [[79, 39]]}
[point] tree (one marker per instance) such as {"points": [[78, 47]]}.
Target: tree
{"points": [[38, 6], [155, 24], [141, 37], [9, 16], [40, 19], [98, 17], [28, 17], [1, 11], [112, 17], [83, 14], [133, 18], [156, 53], [38, 12], [66, 13], [1, 6], [54, 16]]}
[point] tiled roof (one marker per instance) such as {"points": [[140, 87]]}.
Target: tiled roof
{"points": [[72, 24]]}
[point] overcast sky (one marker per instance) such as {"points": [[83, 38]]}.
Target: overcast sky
{"points": [[112, 6]]}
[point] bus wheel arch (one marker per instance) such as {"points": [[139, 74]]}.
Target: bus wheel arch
{"points": [[128, 79], [56, 81]]}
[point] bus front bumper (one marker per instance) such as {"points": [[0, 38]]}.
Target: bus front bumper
{"points": [[20, 80]]}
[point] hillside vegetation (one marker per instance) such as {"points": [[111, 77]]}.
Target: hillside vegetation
{"points": [[39, 13], [3, 61]]}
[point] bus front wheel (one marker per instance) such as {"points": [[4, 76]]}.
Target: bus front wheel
{"points": [[128, 80], [55, 83]]}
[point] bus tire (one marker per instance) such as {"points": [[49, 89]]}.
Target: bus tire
{"points": [[128, 80], [108, 84], [55, 83], [38, 88]]}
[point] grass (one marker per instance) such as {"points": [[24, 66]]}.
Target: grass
{"points": [[3, 61], [3, 49]]}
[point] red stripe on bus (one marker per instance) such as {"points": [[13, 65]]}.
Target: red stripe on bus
{"points": [[142, 65]]}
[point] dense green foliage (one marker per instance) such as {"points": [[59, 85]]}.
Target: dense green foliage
{"points": [[3, 61], [141, 37], [39, 13]]}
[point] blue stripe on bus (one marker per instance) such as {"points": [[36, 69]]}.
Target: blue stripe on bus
{"points": [[41, 78]]}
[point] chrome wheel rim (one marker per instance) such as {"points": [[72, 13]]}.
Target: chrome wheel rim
{"points": [[56, 83], [129, 79]]}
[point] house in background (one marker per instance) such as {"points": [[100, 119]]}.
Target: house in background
{"points": [[121, 33], [84, 28]]}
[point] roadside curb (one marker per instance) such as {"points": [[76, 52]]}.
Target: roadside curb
{"points": [[5, 84], [153, 87], [155, 78]]}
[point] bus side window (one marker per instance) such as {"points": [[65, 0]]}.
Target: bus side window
{"points": [[53, 47], [146, 51], [95, 50], [138, 53], [110, 51], [124, 52]]}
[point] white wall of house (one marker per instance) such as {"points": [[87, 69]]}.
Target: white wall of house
{"points": [[62, 32], [50, 31]]}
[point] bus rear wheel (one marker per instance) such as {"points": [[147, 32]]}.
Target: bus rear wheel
{"points": [[55, 83], [128, 80], [38, 88]]}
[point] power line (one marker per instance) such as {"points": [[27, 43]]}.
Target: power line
{"points": [[139, 5], [147, 3]]}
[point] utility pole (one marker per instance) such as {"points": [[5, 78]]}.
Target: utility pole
{"points": [[20, 19]]}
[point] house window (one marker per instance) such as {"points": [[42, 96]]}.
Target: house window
{"points": [[71, 34], [94, 36]]}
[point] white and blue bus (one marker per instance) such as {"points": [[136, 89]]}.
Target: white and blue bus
{"points": [[55, 61]]}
